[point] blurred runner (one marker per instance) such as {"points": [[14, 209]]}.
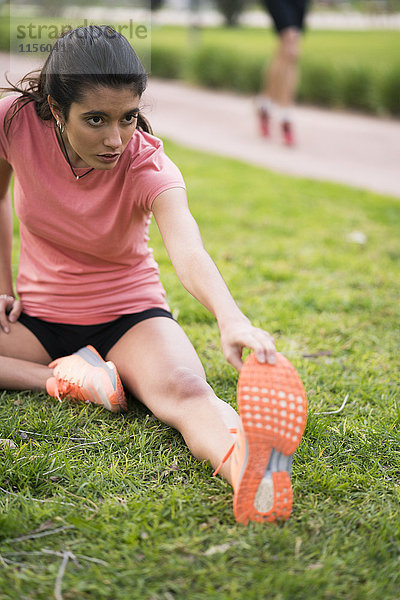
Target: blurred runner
{"points": [[280, 79]]}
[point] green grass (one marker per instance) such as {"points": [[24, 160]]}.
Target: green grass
{"points": [[135, 500]]}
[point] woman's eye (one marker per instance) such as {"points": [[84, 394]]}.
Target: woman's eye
{"points": [[128, 120], [131, 118], [95, 121]]}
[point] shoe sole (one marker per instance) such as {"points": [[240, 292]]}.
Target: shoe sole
{"points": [[273, 408]]}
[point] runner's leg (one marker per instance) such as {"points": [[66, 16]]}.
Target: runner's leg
{"points": [[281, 77]]}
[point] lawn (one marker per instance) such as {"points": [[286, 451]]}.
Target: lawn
{"points": [[98, 506]]}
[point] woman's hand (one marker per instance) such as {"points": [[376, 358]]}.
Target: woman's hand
{"points": [[242, 334], [10, 310]]}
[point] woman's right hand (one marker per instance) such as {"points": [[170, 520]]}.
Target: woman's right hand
{"points": [[10, 310]]}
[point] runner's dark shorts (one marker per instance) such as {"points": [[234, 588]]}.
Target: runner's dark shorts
{"points": [[62, 339], [287, 13]]}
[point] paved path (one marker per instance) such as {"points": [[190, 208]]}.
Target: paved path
{"points": [[356, 150]]}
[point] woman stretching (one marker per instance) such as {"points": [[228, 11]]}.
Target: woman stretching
{"points": [[91, 311]]}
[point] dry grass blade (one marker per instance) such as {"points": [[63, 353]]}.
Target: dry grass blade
{"points": [[58, 586], [33, 536], [337, 411]]}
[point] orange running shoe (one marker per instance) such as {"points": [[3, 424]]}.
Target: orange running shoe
{"points": [[85, 376], [273, 408]]}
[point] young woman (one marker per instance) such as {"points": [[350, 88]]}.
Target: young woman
{"points": [[91, 308]]}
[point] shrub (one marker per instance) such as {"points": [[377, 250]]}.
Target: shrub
{"points": [[319, 84], [4, 34], [213, 66], [218, 67], [390, 92], [167, 62], [231, 10], [359, 89], [247, 77], [156, 4]]}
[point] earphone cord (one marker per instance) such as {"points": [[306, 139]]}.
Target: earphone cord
{"points": [[68, 161]]}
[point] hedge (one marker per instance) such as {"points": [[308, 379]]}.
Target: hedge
{"points": [[350, 85], [354, 87]]}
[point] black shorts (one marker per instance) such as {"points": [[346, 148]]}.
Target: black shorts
{"points": [[62, 339], [287, 13]]}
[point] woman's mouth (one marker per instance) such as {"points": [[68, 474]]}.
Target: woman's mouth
{"points": [[108, 157]]}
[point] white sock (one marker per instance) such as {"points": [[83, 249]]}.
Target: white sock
{"points": [[265, 103], [284, 114]]}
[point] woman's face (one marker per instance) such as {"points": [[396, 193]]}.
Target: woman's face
{"points": [[100, 126]]}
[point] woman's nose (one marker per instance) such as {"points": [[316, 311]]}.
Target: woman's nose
{"points": [[113, 139]]}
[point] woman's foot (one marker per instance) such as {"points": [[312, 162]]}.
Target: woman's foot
{"points": [[273, 409], [85, 376]]}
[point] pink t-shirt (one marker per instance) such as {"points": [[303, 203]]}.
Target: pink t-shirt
{"points": [[84, 255]]}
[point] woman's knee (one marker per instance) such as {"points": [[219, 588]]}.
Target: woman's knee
{"points": [[290, 44], [184, 384], [183, 392]]}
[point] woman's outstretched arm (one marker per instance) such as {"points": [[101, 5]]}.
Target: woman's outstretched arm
{"points": [[200, 276]]}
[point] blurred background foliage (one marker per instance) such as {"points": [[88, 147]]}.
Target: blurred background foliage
{"points": [[230, 9], [357, 70]]}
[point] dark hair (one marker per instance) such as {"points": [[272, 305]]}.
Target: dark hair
{"points": [[81, 59]]}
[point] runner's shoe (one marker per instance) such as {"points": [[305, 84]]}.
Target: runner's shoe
{"points": [[85, 376], [264, 122], [287, 133], [273, 409]]}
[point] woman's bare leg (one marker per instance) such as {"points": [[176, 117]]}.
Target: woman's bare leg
{"points": [[281, 76], [23, 360], [158, 364]]}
